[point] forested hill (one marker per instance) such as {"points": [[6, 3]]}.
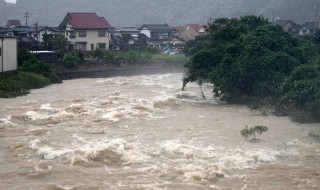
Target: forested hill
{"points": [[173, 12]]}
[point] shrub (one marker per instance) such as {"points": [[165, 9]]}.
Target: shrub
{"points": [[98, 53], [132, 56], [70, 59], [19, 84], [35, 66], [108, 57]]}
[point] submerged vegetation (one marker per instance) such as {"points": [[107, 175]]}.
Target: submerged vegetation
{"points": [[253, 131], [249, 59]]}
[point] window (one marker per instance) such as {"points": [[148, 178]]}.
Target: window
{"points": [[101, 33], [82, 33], [102, 45], [82, 46], [72, 35], [164, 36]]}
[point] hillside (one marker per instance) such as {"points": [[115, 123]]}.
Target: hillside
{"points": [[137, 12]]}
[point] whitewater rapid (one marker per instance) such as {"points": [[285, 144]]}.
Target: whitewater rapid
{"points": [[143, 132]]}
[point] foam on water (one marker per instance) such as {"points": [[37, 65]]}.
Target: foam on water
{"points": [[115, 151]]}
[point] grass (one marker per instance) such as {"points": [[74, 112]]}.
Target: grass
{"points": [[177, 58]]}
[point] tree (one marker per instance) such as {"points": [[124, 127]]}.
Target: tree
{"points": [[253, 131], [98, 53], [71, 59], [244, 57]]}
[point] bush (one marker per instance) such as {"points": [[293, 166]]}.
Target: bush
{"points": [[19, 84], [35, 66], [108, 57], [71, 59], [98, 53], [132, 56], [24, 55]]}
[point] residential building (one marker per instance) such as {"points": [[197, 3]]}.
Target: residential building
{"points": [[125, 31], [51, 32], [308, 28], [8, 54], [191, 31], [123, 38], [159, 34], [86, 31], [288, 26]]}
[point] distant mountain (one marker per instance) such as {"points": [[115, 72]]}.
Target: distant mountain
{"points": [[174, 12]]}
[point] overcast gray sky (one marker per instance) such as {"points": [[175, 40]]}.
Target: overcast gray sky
{"points": [[11, 1]]}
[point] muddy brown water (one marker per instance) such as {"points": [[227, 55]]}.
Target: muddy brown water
{"points": [[143, 132]]}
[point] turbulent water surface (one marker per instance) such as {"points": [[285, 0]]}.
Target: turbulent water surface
{"points": [[143, 132]]}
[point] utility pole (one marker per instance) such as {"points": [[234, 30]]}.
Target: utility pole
{"points": [[26, 15], [317, 16], [2, 55]]}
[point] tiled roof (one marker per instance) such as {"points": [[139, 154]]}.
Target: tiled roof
{"points": [[283, 22], [88, 21], [196, 27], [310, 25], [178, 28], [157, 27]]}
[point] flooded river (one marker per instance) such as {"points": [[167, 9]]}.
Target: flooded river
{"points": [[143, 132]]}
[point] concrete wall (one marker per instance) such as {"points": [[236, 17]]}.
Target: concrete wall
{"points": [[8, 57]]}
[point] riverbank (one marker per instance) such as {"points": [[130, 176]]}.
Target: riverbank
{"points": [[102, 70]]}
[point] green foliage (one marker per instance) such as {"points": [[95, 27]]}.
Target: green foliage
{"points": [[244, 56], [132, 56], [302, 90], [35, 66], [24, 55], [99, 53], [60, 45], [13, 85], [253, 131], [71, 59], [109, 57]]}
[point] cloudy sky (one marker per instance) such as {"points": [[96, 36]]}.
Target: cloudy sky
{"points": [[11, 1]]}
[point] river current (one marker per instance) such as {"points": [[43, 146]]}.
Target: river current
{"points": [[143, 132]]}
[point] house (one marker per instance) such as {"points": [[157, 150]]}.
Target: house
{"points": [[8, 54], [125, 31], [123, 38], [86, 31], [308, 28], [13, 23], [159, 34], [288, 26], [51, 32], [191, 31], [22, 31], [125, 41]]}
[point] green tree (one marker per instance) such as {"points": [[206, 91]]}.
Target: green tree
{"points": [[98, 53], [244, 57], [71, 59]]}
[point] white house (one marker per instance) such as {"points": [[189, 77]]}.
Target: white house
{"points": [[8, 54], [86, 31]]}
